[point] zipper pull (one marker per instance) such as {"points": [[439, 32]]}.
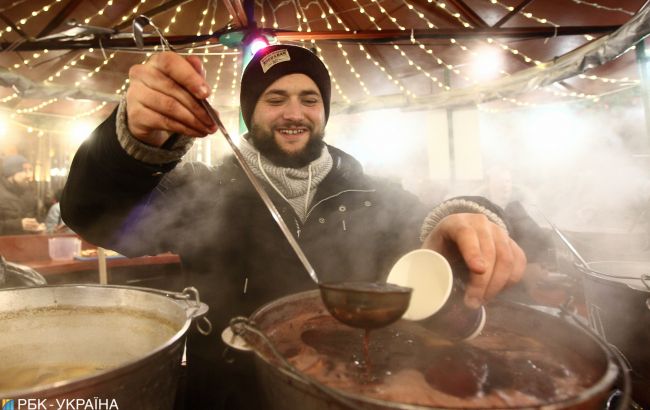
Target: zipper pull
{"points": [[297, 228]]}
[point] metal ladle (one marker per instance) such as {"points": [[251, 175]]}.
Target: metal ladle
{"points": [[358, 304]]}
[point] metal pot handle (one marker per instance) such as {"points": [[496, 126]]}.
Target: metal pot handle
{"points": [[645, 278], [196, 310], [567, 310], [241, 325]]}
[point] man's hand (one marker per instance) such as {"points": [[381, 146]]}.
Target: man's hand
{"points": [[32, 225], [493, 258], [162, 99]]}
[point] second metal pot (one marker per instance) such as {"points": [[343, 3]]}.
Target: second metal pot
{"points": [[106, 344]]}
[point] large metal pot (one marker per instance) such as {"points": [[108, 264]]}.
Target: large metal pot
{"points": [[617, 294], [287, 388], [112, 346]]}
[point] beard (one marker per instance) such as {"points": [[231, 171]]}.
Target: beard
{"points": [[265, 143], [20, 187]]}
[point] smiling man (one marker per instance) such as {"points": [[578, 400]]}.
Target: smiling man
{"points": [[129, 191]]}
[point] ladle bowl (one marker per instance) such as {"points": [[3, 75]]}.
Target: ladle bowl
{"points": [[367, 305]]}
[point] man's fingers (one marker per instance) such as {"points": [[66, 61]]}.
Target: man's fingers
{"points": [[503, 267], [196, 63], [183, 72], [494, 260], [172, 108], [520, 263], [156, 80], [475, 290], [474, 248], [150, 120], [469, 246]]}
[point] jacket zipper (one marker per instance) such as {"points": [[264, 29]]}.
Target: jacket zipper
{"points": [[334, 196]]}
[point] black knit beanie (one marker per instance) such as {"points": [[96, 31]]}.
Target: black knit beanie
{"points": [[12, 165], [273, 62]]}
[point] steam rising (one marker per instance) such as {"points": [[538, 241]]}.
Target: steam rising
{"points": [[585, 169]]}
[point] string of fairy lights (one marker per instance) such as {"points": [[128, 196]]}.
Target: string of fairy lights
{"points": [[314, 44], [601, 7], [23, 20], [372, 11]]}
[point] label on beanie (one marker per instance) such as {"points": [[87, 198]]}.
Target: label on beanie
{"points": [[274, 58]]}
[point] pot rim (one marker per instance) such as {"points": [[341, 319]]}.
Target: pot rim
{"points": [[601, 386], [111, 373], [639, 283]]}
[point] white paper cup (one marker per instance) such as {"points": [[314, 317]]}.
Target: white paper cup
{"points": [[437, 300], [431, 278]]}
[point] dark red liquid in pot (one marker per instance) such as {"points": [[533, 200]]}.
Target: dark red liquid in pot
{"points": [[403, 363]]}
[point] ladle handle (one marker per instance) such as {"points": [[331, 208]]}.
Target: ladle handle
{"points": [[564, 240], [569, 245], [262, 193]]}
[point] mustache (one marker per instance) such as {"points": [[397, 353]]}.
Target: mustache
{"points": [[295, 124]]}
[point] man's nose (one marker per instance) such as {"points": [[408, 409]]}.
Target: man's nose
{"points": [[293, 110]]}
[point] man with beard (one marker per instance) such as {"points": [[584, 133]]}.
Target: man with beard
{"points": [[17, 204], [127, 191]]}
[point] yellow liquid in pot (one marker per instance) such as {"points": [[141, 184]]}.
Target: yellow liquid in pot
{"points": [[21, 378]]}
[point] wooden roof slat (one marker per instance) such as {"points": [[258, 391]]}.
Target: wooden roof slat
{"points": [[236, 10], [423, 5], [151, 12], [468, 13], [362, 36], [11, 24], [59, 18], [370, 49], [514, 11]]}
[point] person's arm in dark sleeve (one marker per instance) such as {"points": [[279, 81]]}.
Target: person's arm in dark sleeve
{"points": [[107, 188], [10, 226]]}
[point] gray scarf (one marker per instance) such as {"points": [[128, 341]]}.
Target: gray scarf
{"points": [[296, 185]]}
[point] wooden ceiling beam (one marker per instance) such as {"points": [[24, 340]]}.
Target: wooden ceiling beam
{"points": [[385, 16], [151, 13], [470, 15], [236, 10], [379, 36], [361, 36], [15, 28], [372, 51], [59, 18], [436, 11], [511, 14]]}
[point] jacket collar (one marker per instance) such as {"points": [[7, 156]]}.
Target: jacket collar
{"points": [[346, 174]]}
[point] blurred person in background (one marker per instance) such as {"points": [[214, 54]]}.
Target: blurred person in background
{"points": [[500, 189], [18, 204], [53, 221]]}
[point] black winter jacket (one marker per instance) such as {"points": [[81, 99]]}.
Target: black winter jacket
{"points": [[357, 227], [15, 204]]}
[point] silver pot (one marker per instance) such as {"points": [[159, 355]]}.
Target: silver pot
{"points": [[618, 302], [287, 388], [106, 344]]}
